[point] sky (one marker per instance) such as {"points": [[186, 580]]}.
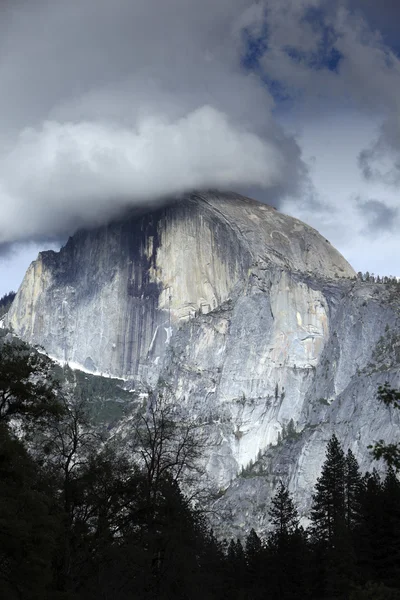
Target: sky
{"points": [[107, 105]]}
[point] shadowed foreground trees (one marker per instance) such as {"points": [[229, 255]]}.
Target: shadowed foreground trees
{"points": [[82, 520], [351, 551], [28, 528], [286, 548], [86, 520]]}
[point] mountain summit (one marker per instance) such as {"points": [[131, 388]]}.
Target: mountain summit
{"points": [[111, 298], [257, 323]]}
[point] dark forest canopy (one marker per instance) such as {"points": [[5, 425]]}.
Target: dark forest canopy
{"points": [[79, 519]]}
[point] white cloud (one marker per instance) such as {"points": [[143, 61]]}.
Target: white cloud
{"points": [[83, 173], [106, 104], [107, 107], [340, 186]]}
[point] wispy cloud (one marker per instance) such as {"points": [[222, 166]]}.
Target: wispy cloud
{"points": [[380, 217]]}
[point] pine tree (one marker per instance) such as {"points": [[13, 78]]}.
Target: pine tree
{"points": [[239, 552], [333, 548], [287, 547], [253, 547], [328, 509], [237, 568], [390, 551], [353, 487], [231, 555], [255, 567], [368, 535], [378, 535], [283, 513]]}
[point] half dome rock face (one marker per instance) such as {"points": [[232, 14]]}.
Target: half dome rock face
{"points": [[255, 321], [112, 297]]}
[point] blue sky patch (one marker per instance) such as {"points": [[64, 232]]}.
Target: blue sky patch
{"points": [[255, 47], [327, 55]]}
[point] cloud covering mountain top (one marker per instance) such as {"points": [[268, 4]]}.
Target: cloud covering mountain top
{"points": [[105, 105], [114, 104]]}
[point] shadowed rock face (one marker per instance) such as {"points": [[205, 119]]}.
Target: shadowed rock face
{"points": [[112, 297], [252, 317]]}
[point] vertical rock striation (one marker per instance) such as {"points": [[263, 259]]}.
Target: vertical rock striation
{"points": [[251, 315], [111, 298]]}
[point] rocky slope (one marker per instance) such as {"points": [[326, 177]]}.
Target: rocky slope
{"points": [[254, 319]]}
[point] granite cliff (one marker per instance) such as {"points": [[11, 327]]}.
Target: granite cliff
{"points": [[252, 316]]}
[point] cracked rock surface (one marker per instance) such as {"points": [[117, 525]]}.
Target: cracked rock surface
{"points": [[254, 319]]}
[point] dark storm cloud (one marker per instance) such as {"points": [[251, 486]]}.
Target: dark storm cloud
{"points": [[379, 216], [105, 105], [383, 16]]}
